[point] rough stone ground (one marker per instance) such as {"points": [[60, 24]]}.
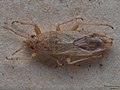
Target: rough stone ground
{"points": [[100, 74]]}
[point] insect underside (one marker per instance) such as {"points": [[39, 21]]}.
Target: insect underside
{"points": [[64, 44]]}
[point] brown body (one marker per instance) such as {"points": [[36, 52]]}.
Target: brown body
{"points": [[67, 43], [56, 42]]}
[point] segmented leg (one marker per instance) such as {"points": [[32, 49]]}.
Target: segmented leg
{"points": [[73, 62], [97, 25], [74, 27], [8, 27], [18, 58], [21, 58], [56, 60], [36, 28]]}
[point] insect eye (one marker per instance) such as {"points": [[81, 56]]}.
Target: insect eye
{"points": [[32, 36]]}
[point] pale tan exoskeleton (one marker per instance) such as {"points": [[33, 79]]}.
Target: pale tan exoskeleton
{"points": [[65, 43]]}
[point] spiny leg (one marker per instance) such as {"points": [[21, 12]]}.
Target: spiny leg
{"points": [[79, 60], [36, 28], [73, 19]]}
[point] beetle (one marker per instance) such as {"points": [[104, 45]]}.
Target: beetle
{"points": [[67, 44]]}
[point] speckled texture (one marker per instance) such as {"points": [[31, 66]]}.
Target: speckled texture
{"points": [[98, 74]]}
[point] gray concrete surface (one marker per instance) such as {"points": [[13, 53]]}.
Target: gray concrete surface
{"points": [[99, 74]]}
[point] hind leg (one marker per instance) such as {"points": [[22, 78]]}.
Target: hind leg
{"points": [[75, 27], [79, 60]]}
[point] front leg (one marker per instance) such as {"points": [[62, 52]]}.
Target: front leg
{"points": [[36, 28]]}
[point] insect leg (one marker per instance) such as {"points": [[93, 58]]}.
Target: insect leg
{"points": [[58, 27], [36, 28], [18, 58], [98, 34], [59, 63], [19, 49], [73, 19], [97, 25], [74, 28], [56, 60], [12, 30], [79, 60], [21, 58]]}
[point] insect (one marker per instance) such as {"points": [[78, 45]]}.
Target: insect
{"points": [[67, 44]]}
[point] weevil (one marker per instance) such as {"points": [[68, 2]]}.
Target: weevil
{"points": [[67, 44]]}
